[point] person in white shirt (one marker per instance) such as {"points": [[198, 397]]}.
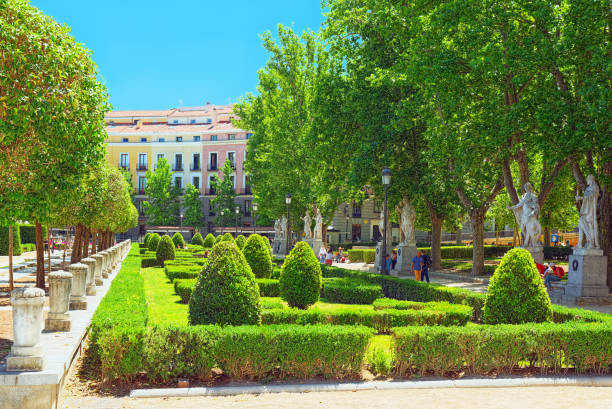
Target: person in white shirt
{"points": [[322, 254]]}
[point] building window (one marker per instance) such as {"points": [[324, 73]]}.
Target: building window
{"points": [[124, 160], [195, 165], [377, 206], [247, 207], [248, 136], [179, 139], [142, 161], [196, 138], [231, 156], [161, 140], [178, 162], [356, 210], [232, 137], [212, 162], [196, 182], [125, 140], [208, 120], [175, 121], [233, 179], [213, 138], [193, 121], [142, 184], [143, 139], [178, 181], [211, 189]]}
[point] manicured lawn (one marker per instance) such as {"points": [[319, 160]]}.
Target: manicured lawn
{"points": [[163, 304]]}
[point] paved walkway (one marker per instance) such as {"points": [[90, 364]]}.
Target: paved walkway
{"points": [[560, 397]]}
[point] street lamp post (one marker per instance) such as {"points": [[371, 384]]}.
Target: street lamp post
{"points": [[288, 201], [237, 213], [255, 206], [222, 216], [181, 220], [386, 181]]}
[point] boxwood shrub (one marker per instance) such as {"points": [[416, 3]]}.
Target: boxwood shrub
{"points": [[240, 241], [178, 240], [197, 239], [174, 272], [350, 291], [27, 233], [369, 255], [149, 261], [4, 241], [355, 255], [183, 287], [268, 287], [145, 242], [153, 241], [257, 255], [165, 250], [209, 241], [300, 278]]}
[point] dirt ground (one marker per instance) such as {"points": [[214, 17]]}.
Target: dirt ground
{"points": [[530, 397]]}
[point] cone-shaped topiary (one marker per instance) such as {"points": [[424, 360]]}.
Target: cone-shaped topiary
{"points": [[153, 241], [178, 240], [228, 237], [300, 277], [516, 293], [218, 239], [240, 240], [165, 249], [258, 256], [197, 239], [147, 237], [226, 292], [209, 241]]}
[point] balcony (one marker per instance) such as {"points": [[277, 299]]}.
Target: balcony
{"points": [[246, 191], [124, 167], [141, 191], [195, 167], [177, 167], [142, 167], [212, 167]]}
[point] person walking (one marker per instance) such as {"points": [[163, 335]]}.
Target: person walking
{"points": [[393, 259], [417, 265], [426, 265]]}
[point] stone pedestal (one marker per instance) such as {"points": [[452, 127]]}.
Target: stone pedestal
{"points": [[26, 352], [98, 271], [587, 274], [105, 263], [60, 285], [378, 257], [316, 245], [90, 286], [280, 247], [405, 254], [79, 284], [537, 252]]}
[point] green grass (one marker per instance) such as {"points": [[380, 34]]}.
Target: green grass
{"points": [[163, 304]]}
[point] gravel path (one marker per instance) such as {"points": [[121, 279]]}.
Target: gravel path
{"points": [[530, 397]]}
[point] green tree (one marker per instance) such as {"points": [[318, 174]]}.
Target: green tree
{"points": [[162, 206], [225, 194], [192, 207]]}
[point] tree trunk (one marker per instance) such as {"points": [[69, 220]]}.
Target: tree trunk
{"points": [[65, 248], [40, 257], [10, 256], [547, 236], [477, 216], [436, 236], [49, 247], [86, 243], [94, 241], [75, 257], [515, 239], [605, 221], [459, 238]]}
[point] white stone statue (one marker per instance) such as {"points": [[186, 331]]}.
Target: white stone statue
{"points": [[307, 224], [277, 230], [318, 229], [283, 226], [587, 224], [407, 216], [526, 212]]}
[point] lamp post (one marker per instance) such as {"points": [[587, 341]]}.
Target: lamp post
{"points": [[222, 216], [288, 201], [386, 181], [181, 220], [346, 214], [237, 213], [255, 205]]}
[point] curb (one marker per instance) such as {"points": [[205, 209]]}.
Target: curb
{"points": [[605, 381]]}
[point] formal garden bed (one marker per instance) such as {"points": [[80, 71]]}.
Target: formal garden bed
{"points": [[363, 325]]}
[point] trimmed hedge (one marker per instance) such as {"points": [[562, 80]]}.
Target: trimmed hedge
{"points": [[300, 278], [184, 287], [480, 349], [381, 320], [557, 253], [240, 241], [165, 250], [268, 287], [463, 252], [257, 255], [148, 261], [197, 239], [145, 242], [174, 272], [350, 291], [209, 241], [153, 241], [369, 256], [184, 261], [28, 233], [178, 240], [4, 241]]}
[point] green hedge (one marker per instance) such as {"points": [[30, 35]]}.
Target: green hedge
{"points": [[183, 287], [369, 256], [184, 261], [355, 256], [148, 261], [381, 320], [28, 233], [4, 241], [268, 287], [28, 247], [143, 250], [182, 271], [350, 291], [481, 349], [241, 352], [557, 253]]}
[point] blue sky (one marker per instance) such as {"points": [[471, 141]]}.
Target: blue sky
{"points": [[163, 54]]}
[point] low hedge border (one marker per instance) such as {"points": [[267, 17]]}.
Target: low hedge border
{"points": [[381, 320], [174, 272], [350, 291], [242, 352], [268, 287], [481, 349], [183, 287]]}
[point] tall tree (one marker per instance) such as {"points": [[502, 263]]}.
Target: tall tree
{"points": [[192, 207], [162, 206], [225, 195]]}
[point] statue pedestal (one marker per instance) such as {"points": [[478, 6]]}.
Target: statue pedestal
{"points": [[377, 259], [587, 274], [315, 245], [537, 252], [279, 247], [405, 253]]}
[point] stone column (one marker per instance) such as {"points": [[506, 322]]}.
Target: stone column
{"points": [[586, 281], [79, 286], [90, 287], [105, 263], [98, 273], [26, 352], [60, 285]]}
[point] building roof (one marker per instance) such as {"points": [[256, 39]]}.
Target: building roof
{"points": [[137, 113], [203, 110], [168, 128]]}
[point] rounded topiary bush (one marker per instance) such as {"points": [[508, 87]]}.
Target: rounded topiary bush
{"points": [[300, 277], [218, 239], [165, 249], [209, 241], [516, 293], [147, 237], [227, 237], [197, 239], [178, 240], [240, 240], [226, 292], [257, 255], [153, 242]]}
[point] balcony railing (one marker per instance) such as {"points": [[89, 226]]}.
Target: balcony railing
{"points": [[142, 167], [195, 166], [356, 215], [141, 191], [213, 167], [177, 168], [125, 167], [246, 191]]}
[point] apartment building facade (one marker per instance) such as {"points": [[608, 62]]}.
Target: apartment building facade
{"points": [[195, 141]]}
